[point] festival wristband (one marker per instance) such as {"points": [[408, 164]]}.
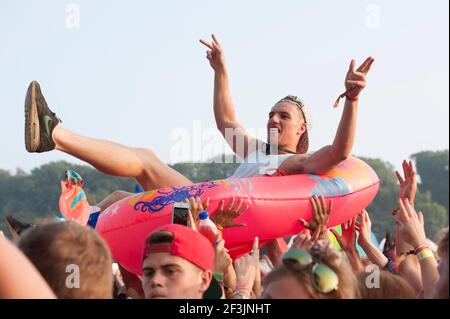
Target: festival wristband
{"points": [[242, 287], [424, 254], [419, 248], [345, 94], [351, 98], [243, 295]]}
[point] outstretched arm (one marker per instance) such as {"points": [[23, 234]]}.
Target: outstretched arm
{"points": [[329, 156], [19, 279], [233, 132]]}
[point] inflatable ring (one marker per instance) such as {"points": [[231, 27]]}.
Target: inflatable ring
{"points": [[276, 203]]}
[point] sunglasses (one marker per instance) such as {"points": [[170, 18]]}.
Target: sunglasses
{"points": [[298, 101], [295, 99], [324, 278]]}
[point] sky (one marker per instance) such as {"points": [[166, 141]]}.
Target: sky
{"points": [[133, 72]]}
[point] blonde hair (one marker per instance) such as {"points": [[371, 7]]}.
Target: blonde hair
{"points": [[324, 253], [51, 247], [391, 287]]}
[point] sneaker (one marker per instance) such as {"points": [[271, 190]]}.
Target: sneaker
{"points": [[39, 121]]}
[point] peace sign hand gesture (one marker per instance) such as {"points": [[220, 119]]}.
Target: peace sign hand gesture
{"points": [[215, 54], [355, 80]]}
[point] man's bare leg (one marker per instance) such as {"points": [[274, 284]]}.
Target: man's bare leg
{"points": [[43, 133], [118, 160]]}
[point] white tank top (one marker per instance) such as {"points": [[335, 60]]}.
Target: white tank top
{"points": [[258, 164]]}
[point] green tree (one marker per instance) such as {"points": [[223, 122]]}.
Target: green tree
{"points": [[432, 168]]}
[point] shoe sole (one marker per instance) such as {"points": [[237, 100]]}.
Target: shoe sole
{"points": [[32, 129]]}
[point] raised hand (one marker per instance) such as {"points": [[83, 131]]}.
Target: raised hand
{"points": [[304, 240], [321, 214], [215, 54], [364, 228], [408, 184], [411, 224], [224, 218], [355, 80], [347, 240], [247, 271], [196, 206], [222, 259]]}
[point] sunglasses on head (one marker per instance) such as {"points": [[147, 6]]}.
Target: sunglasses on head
{"points": [[294, 99], [324, 278]]}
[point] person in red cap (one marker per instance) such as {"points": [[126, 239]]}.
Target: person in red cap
{"points": [[178, 263]]}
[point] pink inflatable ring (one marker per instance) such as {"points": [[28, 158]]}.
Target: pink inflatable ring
{"points": [[275, 206]]}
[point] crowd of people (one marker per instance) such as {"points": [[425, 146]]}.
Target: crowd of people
{"points": [[68, 260], [180, 263]]}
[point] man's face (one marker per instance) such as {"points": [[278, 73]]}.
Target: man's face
{"points": [[289, 122], [167, 276], [287, 287], [441, 287]]}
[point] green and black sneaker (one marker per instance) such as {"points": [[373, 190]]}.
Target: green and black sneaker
{"points": [[39, 121]]}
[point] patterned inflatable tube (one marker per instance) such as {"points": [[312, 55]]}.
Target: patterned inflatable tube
{"points": [[275, 206]]}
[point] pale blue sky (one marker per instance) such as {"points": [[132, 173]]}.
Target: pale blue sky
{"points": [[133, 72]]}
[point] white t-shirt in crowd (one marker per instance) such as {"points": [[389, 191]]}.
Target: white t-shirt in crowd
{"points": [[258, 164]]}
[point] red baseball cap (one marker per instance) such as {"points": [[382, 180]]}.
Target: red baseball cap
{"points": [[187, 244]]}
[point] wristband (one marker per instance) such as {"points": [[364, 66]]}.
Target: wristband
{"points": [[243, 296], [345, 94], [353, 99], [424, 254], [242, 287], [419, 248], [218, 277]]}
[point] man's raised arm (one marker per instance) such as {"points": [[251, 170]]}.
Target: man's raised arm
{"points": [[233, 132], [329, 156]]}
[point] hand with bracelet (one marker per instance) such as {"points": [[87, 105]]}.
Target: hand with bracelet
{"points": [[247, 269], [355, 80], [411, 228], [407, 265]]}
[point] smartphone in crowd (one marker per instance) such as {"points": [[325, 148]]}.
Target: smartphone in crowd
{"points": [[180, 213]]}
